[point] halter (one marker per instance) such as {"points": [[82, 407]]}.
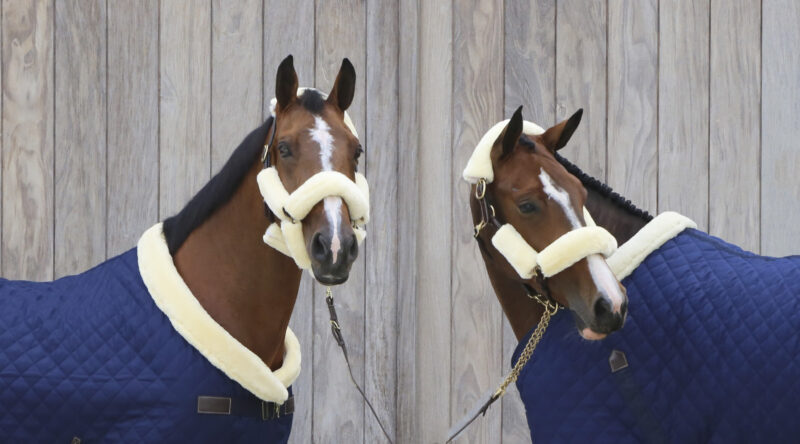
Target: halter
{"points": [[562, 253], [286, 234], [291, 209]]}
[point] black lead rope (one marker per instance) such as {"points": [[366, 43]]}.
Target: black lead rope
{"points": [[336, 329]]}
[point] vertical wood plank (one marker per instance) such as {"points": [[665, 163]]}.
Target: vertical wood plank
{"points": [[434, 232], [281, 40], [236, 79], [633, 100], [80, 135], [780, 106], [530, 63], [476, 333], [184, 102], [683, 109], [27, 138], [581, 80], [380, 341], [407, 237], [132, 121], [338, 407], [288, 30], [735, 139]]}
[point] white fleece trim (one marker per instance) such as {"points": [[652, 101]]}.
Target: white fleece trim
{"points": [[347, 121], [516, 250], [288, 237], [556, 257], [193, 323], [479, 165], [574, 246], [312, 191], [651, 237]]}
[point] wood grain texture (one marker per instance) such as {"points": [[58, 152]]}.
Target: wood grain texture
{"points": [[289, 28], [338, 407], [581, 80], [735, 139], [80, 135], [780, 106], [683, 109], [184, 102], [408, 204], [633, 100], [434, 230], [380, 252], [279, 41], [27, 140], [236, 80], [476, 334], [530, 60], [132, 121], [530, 64]]}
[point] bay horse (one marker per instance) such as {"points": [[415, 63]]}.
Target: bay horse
{"points": [[185, 338], [710, 350]]}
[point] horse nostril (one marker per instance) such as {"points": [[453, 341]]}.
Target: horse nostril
{"points": [[320, 249], [353, 249], [602, 308]]}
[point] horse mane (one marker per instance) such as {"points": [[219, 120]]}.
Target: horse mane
{"points": [[217, 191], [603, 190]]}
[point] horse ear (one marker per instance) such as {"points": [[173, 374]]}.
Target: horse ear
{"points": [[345, 86], [557, 137], [286, 83], [511, 133]]}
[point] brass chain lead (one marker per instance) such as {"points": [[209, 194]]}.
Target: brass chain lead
{"points": [[549, 310]]}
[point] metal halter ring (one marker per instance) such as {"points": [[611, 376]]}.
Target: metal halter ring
{"points": [[480, 189]]}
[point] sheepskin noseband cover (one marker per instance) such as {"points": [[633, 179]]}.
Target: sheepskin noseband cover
{"points": [[291, 209], [559, 255]]}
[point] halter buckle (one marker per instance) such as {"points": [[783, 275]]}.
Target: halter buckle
{"points": [[478, 228]]}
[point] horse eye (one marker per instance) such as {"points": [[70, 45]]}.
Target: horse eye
{"points": [[527, 208], [284, 149], [359, 150]]}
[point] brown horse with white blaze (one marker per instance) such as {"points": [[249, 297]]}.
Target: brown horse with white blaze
{"points": [[532, 192], [246, 286]]}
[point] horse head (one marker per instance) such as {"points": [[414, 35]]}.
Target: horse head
{"points": [[312, 135], [540, 202]]}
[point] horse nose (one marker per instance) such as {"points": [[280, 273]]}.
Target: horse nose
{"points": [[349, 249], [321, 247], [605, 319]]}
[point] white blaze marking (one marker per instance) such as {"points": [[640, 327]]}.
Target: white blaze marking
{"points": [[560, 196], [333, 205], [602, 276]]}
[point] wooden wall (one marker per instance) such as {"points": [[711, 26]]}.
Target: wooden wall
{"points": [[114, 112]]}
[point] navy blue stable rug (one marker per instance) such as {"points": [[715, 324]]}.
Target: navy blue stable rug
{"points": [[711, 344], [121, 353]]}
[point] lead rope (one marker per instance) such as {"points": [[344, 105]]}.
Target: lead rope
{"points": [[550, 308], [336, 329]]}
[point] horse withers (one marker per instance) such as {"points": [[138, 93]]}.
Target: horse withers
{"points": [[185, 338]]}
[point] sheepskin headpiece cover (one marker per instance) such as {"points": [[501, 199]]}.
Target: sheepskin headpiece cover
{"points": [[559, 255], [291, 209]]}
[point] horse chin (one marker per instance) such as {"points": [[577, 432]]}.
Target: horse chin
{"points": [[326, 279], [588, 334], [585, 331]]}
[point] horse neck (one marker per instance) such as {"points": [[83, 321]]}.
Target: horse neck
{"points": [[621, 222], [247, 287], [521, 311]]}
